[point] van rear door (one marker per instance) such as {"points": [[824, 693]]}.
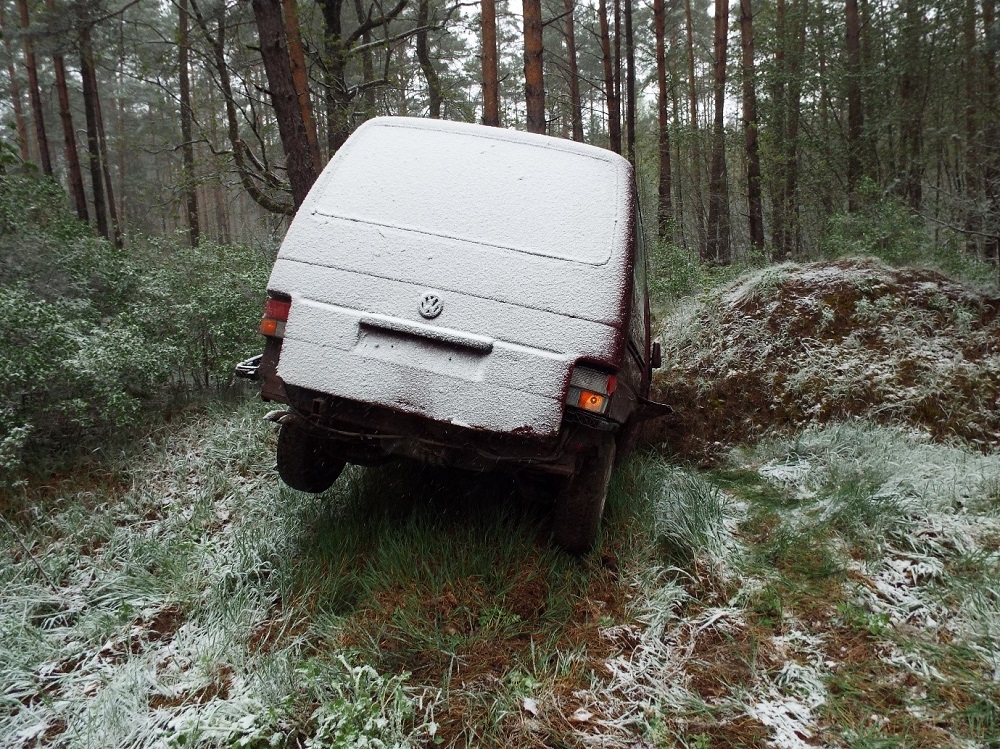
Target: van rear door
{"points": [[457, 272]]}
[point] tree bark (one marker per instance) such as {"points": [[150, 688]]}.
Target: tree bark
{"points": [[789, 243], [256, 181], [491, 85], [665, 212], [755, 210], [534, 87], [618, 58], [855, 112], [675, 164], [188, 184], [291, 128], [610, 94], [74, 176], [973, 182], [911, 123], [102, 141], [629, 83], [300, 78], [699, 212], [991, 246], [15, 92], [718, 248], [367, 63], [93, 143], [576, 111], [338, 48], [426, 64], [34, 92], [779, 111]]}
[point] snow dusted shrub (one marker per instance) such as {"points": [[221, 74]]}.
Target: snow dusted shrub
{"points": [[791, 345], [96, 337]]}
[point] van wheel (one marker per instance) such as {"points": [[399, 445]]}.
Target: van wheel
{"points": [[580, 505], [306, 462], [627, 440]]}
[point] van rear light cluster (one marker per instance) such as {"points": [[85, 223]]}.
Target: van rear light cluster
{"points": [[590, 389], [275, 316]]}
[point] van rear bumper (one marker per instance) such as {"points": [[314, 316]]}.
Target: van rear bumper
{"points": [[368, 434]]}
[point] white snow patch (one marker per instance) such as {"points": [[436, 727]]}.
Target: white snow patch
{"points": [[787, 702]]}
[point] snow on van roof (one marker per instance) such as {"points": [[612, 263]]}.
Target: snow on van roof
{"points": [[493, 187]]}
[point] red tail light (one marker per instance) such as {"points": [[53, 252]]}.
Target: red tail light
{"points": [[277, 309], [275, 316]]}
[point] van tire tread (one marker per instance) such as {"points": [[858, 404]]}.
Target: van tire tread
{"points": [[305, 461], [580, 505]]}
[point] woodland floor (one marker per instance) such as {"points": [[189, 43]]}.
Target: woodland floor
{"points": [[824, 578]]}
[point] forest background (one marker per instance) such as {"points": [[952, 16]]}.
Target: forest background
{"points": [[156, 151]]}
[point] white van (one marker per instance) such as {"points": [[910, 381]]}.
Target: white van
{"points": [[466, 296]]}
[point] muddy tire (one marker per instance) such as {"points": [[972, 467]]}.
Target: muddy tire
{"points": [[305, 461], [580, 505]]}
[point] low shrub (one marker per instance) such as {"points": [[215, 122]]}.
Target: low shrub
{"points": [[98, 338]]}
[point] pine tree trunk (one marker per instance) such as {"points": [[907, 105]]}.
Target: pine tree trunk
{"points": [[610, 93], [93, 141], [426, 64], [912, 109], [973, 181], [252, 179], [991, 246], [367, 64], [74, 175], [718, 196], [102, 142], [34, 92], [855, 113], [629, 83], [664, 213], [291, 128], [576, 111], [534, 87], [491, 85], [187, 145], [789, 195], [618, 57], [675, 164], [755, 210], [300, 77], [826, 195], [15, 91], [779, 110], [699, 211], [338, 96]]}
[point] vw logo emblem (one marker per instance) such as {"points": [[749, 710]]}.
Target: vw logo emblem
{"points": [[430, 305]]}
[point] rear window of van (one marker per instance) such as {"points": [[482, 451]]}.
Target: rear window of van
{"points": [[490, 191]]}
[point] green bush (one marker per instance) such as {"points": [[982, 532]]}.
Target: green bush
{"points": [[96, 338], [886, 228]]}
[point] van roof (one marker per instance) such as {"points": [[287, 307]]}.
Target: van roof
{"points": [[488, 186]]}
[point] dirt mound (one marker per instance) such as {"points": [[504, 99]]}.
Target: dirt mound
{"points": [[794, 344]]}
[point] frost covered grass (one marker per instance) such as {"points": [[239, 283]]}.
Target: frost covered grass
{"points": [[186, 598], [836, 588]]}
